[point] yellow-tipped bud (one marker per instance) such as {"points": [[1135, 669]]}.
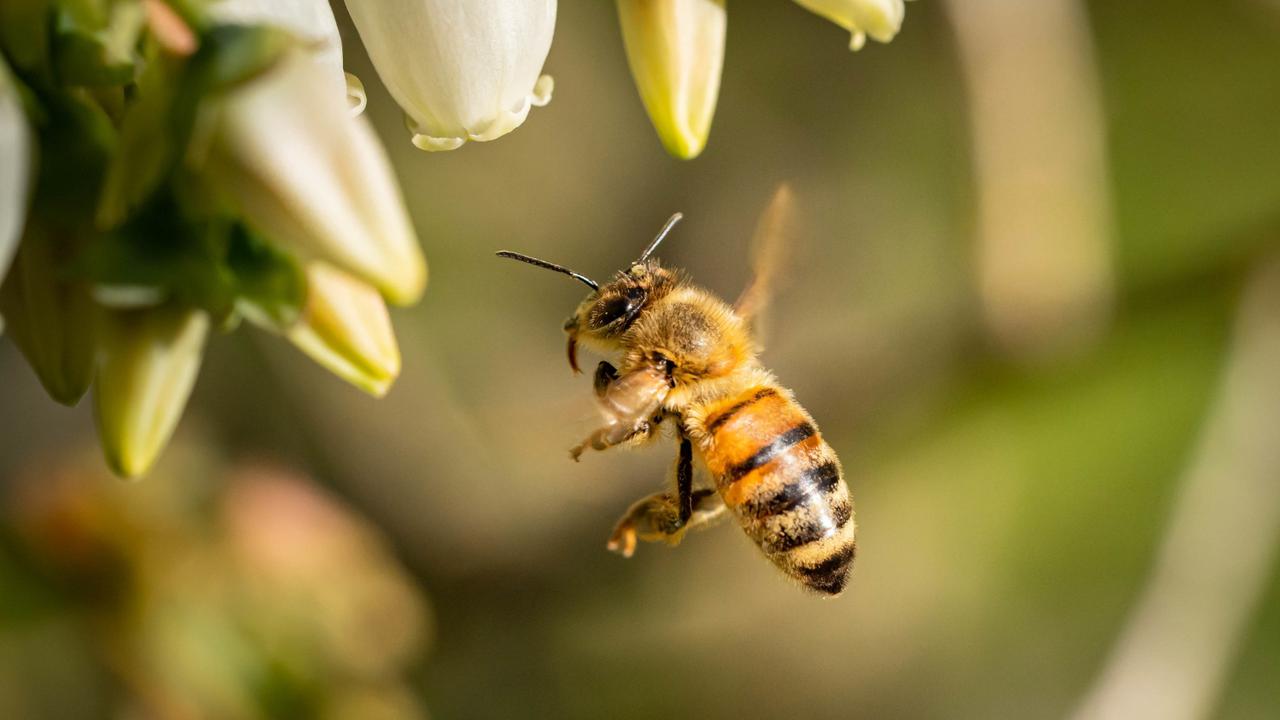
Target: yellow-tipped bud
{"points": [[49, 317], [879, 19], [147, 366], [345, 328], [307, 175], [676, 51]]}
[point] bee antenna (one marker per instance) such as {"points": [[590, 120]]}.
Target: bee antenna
{"points": [[662, 235], [551, 266]]}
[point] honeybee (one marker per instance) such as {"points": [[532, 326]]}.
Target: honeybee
{"points": [[689, 359]]}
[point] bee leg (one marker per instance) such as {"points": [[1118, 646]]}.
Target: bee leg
{"points": [[631, 405], [684, 479], [666, 517], [657, 517], [605, 374], [610, 435]]}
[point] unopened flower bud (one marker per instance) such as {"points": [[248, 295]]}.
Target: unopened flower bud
{"points": [[676, 52], [460, 70], [147, 367], [345, 328], [50, 316]]}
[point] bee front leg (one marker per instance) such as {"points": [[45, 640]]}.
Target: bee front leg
{"points": [[605, 375], [612, 434], [631, 405]]}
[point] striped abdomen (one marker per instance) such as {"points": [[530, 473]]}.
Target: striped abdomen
{"points": [[784, 483]]}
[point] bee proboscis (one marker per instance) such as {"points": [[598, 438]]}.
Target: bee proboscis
{"points": [[689, 358]]}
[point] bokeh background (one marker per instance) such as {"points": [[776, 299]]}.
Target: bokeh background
{"points": [[1033, 302]]}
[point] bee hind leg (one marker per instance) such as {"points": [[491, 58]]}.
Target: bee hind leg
{"points": [[667, 516], [657, 518]]}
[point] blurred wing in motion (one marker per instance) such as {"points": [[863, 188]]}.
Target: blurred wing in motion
{"points": [[768, 248]]}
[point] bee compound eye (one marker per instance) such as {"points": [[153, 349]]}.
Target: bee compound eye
{"points": [[611, 311]]}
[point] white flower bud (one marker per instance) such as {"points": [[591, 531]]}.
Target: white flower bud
{"points": [[460, 70]]}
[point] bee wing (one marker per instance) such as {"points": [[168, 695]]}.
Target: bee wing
{"points": [[774, 229]]}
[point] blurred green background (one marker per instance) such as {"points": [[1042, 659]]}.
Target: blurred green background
{"points": [[1016, 449]]}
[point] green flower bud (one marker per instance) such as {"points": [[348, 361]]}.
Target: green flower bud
{"points": [[147, 366], [50, 317]]}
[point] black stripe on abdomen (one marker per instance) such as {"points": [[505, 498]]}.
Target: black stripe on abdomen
{"points": [[814, 480], [807, 525], [830, 575], [725, 416], [795, 435]]}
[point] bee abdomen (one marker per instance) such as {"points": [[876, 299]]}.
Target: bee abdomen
{"points": [[786, 486]]}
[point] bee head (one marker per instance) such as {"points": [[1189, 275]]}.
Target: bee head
{"points": [[606, 314]]}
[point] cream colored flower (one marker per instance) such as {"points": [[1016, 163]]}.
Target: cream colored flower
{"points": [[15, 169], [676, 52], [345, 328], [879, 19], [312, 21], [460, 70], [147, 365], [310, 177]]}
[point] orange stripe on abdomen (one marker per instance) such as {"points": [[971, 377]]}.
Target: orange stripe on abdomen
{"points": [[741, 426], [749, 435]]}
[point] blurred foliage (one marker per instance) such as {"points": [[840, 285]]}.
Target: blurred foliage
{"points": [[226, 593], [1008, 513]]}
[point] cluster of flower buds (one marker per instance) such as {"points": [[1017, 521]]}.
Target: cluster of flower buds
{"points": [[173, 168]]}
